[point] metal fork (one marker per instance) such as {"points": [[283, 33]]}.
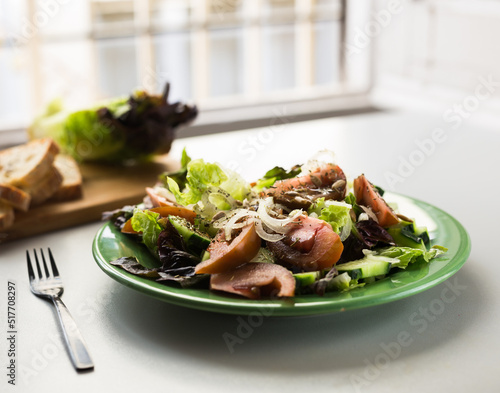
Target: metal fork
{"points": [[51, 287]]}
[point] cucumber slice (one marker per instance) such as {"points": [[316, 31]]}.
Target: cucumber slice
{"points": [[423, 234], [305, 279], [195, 241], [405, 236], [370, 266]]}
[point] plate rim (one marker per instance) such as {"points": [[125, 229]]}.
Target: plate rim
{"points": [[241, 306]]}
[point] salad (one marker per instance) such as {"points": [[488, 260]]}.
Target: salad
{"points": [[297, 231]]}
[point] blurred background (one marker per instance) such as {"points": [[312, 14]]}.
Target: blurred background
{"points": [[245, 62]]}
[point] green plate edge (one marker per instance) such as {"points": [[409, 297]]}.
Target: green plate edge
{"points": [[109, 244]]}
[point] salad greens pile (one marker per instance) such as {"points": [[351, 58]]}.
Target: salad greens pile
{"points": [[117, 130], [292, 232]]}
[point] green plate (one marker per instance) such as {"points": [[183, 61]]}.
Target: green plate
{"points": [[109, 244]]}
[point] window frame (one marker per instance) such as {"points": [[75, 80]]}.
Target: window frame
{"points": [[244, 111]]}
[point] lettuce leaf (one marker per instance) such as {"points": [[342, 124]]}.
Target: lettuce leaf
{"points": [[199, 177], [132, 265], [275, 174], [159, 274], [202, 174], [407, 255], [146, 222], [116, 130], [333, 212], [86, 137], [333, 281], [371, 233], [351, 200], [235, 185], [203, 178], [365, 235], [180, 175]]}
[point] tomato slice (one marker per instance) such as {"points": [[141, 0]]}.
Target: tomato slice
{"points": [[255, 280], [367, 195], [312, 245], [127, 228], [227, 255], [179, 211], [323, 176], [159, 200]]}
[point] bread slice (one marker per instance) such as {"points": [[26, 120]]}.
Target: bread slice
{"points": [[23, 166], [71, 187], [45, 187], [14, 197], [6, 216]]}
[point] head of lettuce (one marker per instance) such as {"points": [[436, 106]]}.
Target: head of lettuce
{"points": [[119, 130]]}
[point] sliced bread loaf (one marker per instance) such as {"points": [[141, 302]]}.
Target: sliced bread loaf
{"points": [[6, 216], [45, 187], [23, 166], [15, 197], [71, 187]]}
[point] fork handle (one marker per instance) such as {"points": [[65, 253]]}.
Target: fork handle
{"points": [[74, 340]]}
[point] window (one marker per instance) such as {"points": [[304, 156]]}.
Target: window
{"points": [[220, 54]]}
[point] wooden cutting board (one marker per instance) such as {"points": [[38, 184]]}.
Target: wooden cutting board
{"points": [[104, 188]]}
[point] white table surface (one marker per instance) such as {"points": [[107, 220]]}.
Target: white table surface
{"points": [[140, 344]]}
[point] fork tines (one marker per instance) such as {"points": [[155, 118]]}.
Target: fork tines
{"points": [[31, 273]]}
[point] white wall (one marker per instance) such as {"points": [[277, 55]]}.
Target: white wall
{"points": [[439, 53]]}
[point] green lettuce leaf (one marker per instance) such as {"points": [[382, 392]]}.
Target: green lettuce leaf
{"points": [[275, 174], [146, 221], [343, 282], [202, 178], [116, 130], [335, 282], [199, 177], [180, 175], [351, 200], [202, 174], [407, 255], [235, 185], [333, 212], [86, 137]]}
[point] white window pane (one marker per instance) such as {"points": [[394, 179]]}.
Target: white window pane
{"points": [[66, 72], [226, 62], [13, 21], [66, 17], [170, 14], [278, 8], [15, 97], [278, 57], [116, 66], [172, 64], [244, 51], [326, 52]]}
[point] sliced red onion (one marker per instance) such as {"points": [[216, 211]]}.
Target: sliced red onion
{"points": [[275, 224], [268, 237], [232, 223]]}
